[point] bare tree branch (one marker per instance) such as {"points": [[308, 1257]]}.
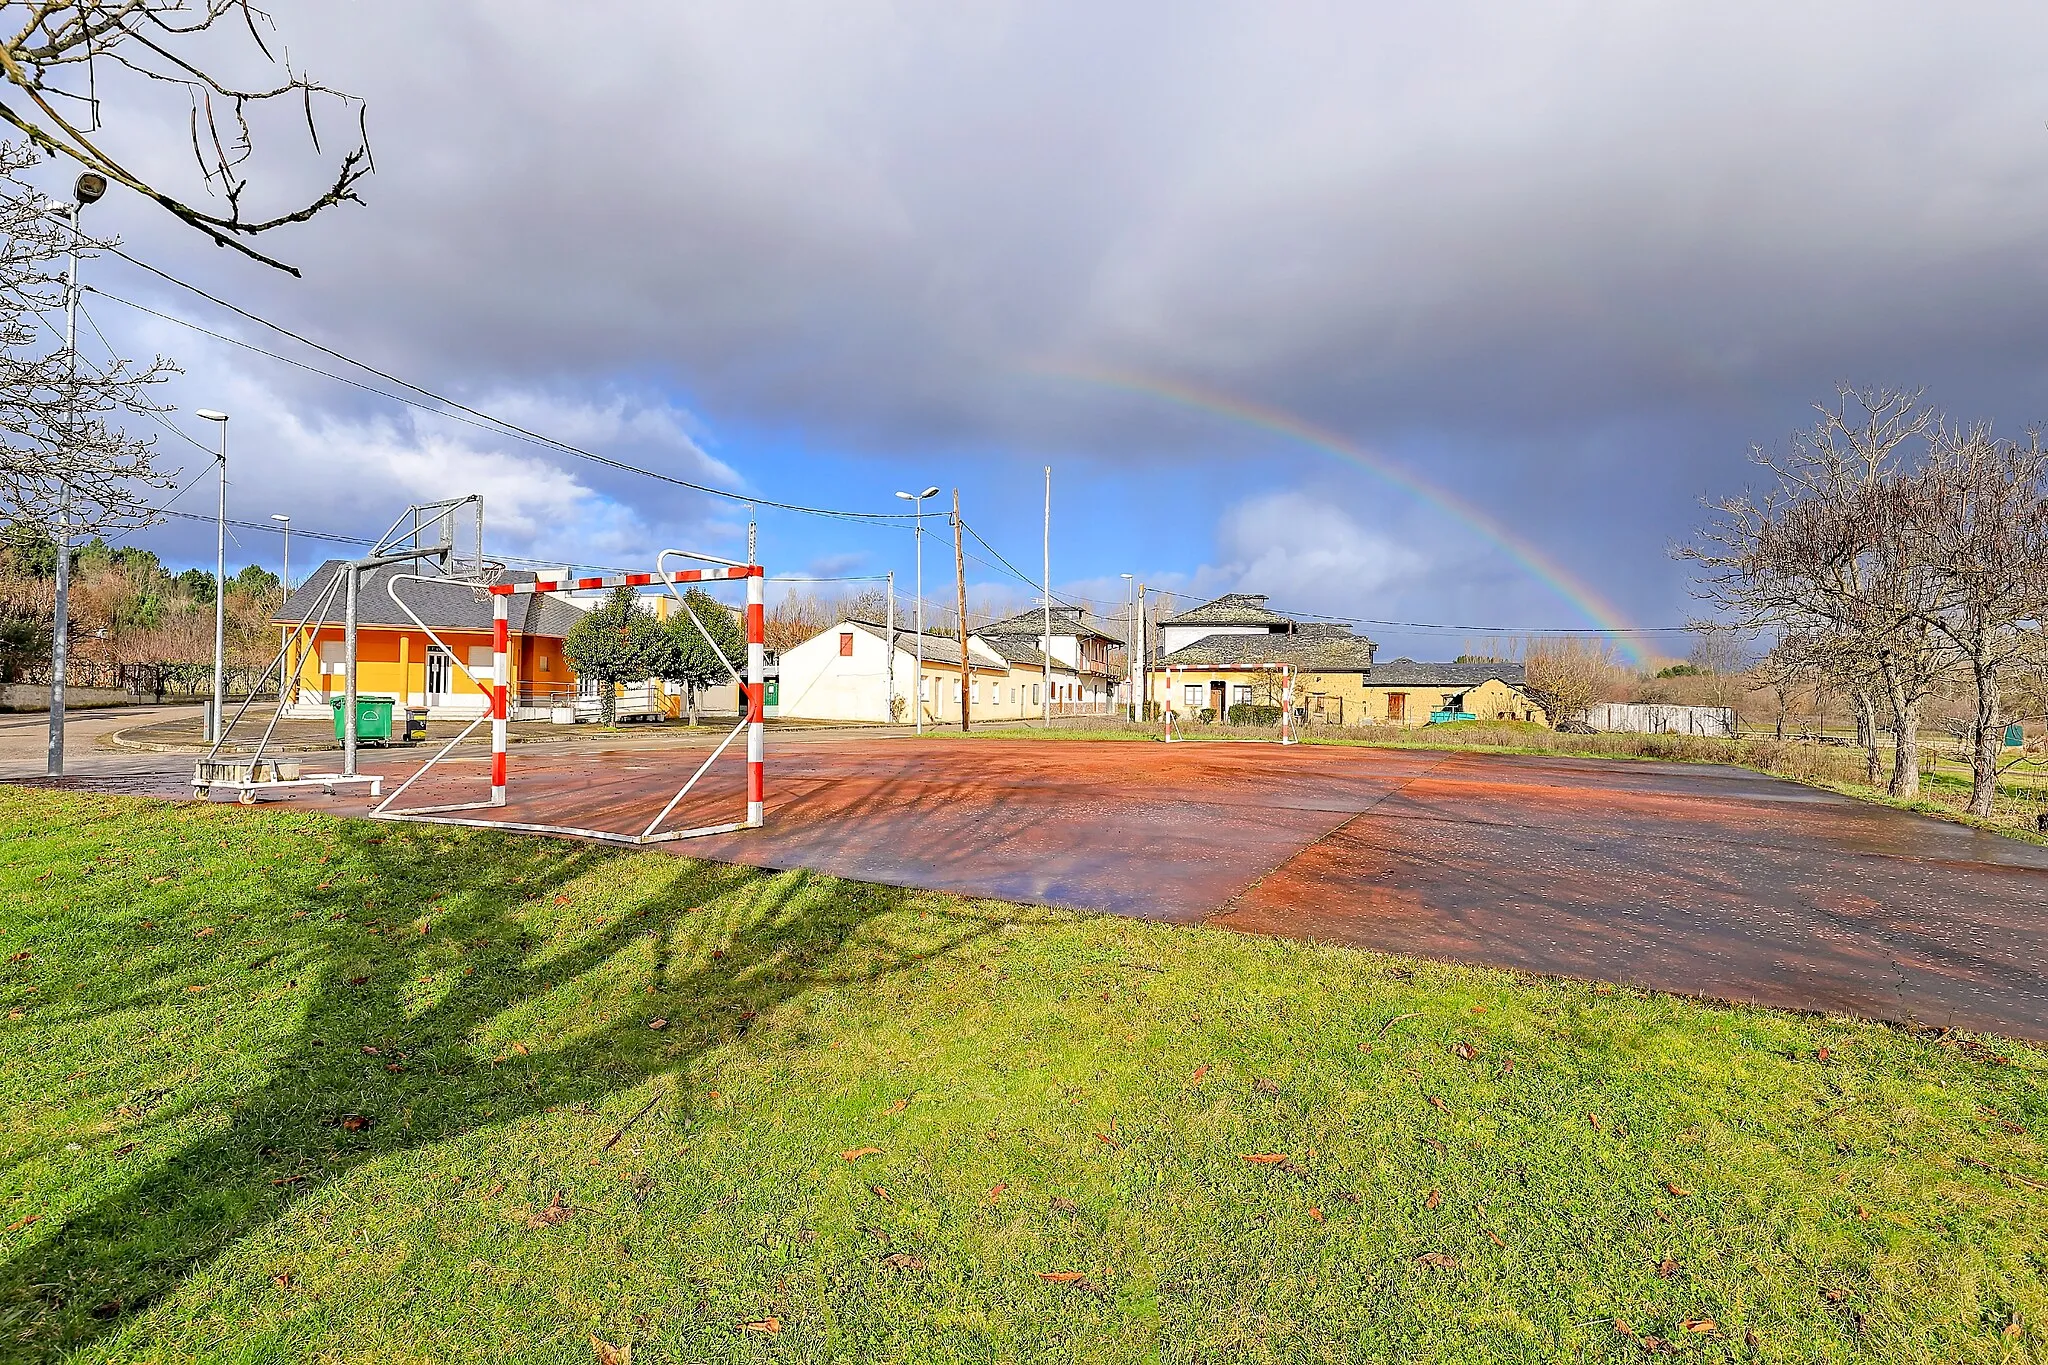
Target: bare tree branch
{"points": [[144, 37]]}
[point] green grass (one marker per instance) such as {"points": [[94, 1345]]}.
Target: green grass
{"points": [[200, 1001]]}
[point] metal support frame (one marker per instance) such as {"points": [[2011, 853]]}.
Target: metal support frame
{"points": [[1286, 704], [753, 688], [248, 789]]}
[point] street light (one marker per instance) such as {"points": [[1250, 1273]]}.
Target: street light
{"points": [[917, 499], [220, 582], [87, 189], [286, 519], [1130, 654]]}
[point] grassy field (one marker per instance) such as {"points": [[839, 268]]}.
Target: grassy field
{"points": [[280, 1086]]}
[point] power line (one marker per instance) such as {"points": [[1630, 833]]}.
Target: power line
{"points": [[498, 424]]}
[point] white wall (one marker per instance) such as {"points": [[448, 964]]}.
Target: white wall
{"points": [[1655, 718], [819, 683]]}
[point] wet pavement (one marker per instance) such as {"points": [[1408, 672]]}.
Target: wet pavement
{"points": [[1699, 880]]}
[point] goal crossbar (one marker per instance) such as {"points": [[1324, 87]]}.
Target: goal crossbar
{"points": [[752, 685]]}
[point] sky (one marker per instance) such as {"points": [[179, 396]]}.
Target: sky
{"points": [[1443, 315]]}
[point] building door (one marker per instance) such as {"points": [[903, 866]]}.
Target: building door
{"points": [[1216, 699], [1397, 706], [440, 673]]}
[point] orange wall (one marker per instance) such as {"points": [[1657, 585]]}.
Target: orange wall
{"points": [[379, 650]]}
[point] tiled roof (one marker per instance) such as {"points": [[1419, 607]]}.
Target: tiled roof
{"points": [[1315, 652], [1408, 673], [1065, 621], [1019, 650], [1231, 609], [444, 606]]}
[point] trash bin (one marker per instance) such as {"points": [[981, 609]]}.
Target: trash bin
{"points": [[415, 725], [373, 718]]}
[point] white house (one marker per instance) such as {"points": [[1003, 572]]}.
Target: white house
{"points": [[845, 673], [1235, 613], [1088, 664]]}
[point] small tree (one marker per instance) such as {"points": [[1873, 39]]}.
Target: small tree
{"points": [[615, 642], [1566, 676], [681, 655]]}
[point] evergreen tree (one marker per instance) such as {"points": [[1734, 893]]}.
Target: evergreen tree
{"points": [[686, 659], [614, 643]]}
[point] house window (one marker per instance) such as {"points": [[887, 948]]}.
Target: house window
{"points": [[974, 693], [440, 670], [1034, 693], [544, 661], [1240, 694], [846, 644], [333, 656], [1192, 694]]}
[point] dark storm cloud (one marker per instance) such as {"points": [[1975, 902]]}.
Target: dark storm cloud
{"points": [[1581, 253]]}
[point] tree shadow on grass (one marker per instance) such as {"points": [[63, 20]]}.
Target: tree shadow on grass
{"points": [[728, 944]]}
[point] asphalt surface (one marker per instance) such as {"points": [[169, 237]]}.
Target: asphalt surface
{"points": [[1706, 881]]}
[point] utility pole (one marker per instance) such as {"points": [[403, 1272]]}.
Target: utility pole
{"points": [[889, 668], [1142, 660], [1130, 654], [220, 584], [1045, 719], [960, 588]]}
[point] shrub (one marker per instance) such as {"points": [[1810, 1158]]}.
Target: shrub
{"points": [[1248, 713], [1207, 715]]}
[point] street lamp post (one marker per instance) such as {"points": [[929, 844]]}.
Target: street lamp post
{"points": [[917, 500], [86, 190], [220, 582], [286, 520]]}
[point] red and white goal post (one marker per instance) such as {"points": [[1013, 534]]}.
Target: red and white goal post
{"points": [[752, 684]]}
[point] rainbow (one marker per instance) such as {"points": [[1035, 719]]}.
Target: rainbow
{"points": [[1604, 615]]}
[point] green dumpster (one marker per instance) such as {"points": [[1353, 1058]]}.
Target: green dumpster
{"points": [[373, 718]]}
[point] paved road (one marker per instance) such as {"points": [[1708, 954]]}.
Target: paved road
{"points": [[1699, 880], [25, 738]]}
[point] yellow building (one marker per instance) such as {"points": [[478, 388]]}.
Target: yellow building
{"points": [[395, 658], [1235, 651]]}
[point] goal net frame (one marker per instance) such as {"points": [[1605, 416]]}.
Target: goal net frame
{"points": [[754, 692]]}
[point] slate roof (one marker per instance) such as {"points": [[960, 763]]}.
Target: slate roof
{"points": [[1019, 651], [444, 606], [1408, 673], [1065, 621], [1313, 652], [943, 649], [1231, 609]]}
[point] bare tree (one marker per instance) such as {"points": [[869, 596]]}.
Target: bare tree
{"points": [[61, 53], [1982, 508], [1832, 549], [60, 456], [1566, 675]]}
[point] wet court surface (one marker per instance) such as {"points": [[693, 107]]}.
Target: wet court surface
{"points": [[1700, 880]]}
